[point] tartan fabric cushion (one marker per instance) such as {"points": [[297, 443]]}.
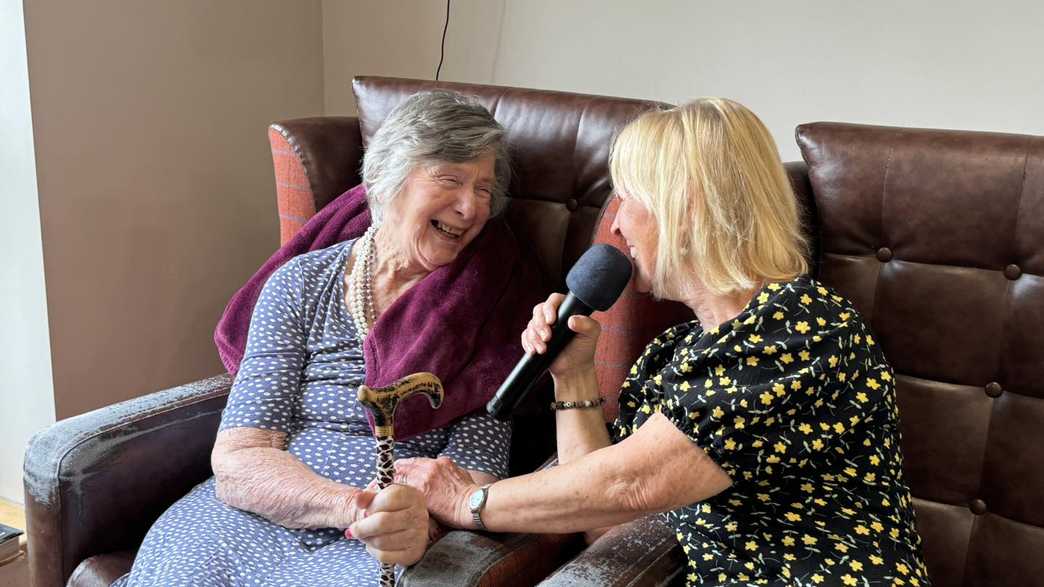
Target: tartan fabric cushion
{"points": [[633, 321], [294, 194]]}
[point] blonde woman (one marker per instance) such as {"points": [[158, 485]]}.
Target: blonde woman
{"points": [[766, 430]]}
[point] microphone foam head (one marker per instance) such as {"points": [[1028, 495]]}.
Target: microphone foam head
{"points": [[599, 276]]}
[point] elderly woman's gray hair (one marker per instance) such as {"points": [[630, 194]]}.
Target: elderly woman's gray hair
{"points": [[431, 127]]}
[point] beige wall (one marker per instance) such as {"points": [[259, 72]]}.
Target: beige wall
{"points": [[155, 180], [402, 39], [935, 63]]}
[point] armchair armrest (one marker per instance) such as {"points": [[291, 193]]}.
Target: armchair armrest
{"points": [[472, 559], [642, 552], [315, 160], [96, 482]]}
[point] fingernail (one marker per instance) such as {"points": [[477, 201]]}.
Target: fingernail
{"points": [[348, 534]]}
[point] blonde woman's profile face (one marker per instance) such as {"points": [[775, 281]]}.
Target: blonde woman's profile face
{"points": [[635, 223]]}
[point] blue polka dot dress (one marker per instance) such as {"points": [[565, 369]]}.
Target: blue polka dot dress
{"points": [[302, 367]]}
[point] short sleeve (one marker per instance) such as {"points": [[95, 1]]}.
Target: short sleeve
{"points": [[479, 442], [267, 387], [771, 394]]}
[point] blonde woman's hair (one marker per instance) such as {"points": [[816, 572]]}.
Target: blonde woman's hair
{"points": [[709, 173]]}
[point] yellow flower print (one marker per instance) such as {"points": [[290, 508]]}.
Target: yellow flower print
{"points": [[876, 559], [805, 428], [862, 530], [821, 321], [861, 397], [807, 487], [873, 384], [719, 370], [802, 327], [817, 578], [778, 389], [848, 579], [809, 540], [832, 361], [788, 541], [751, 545], [725, 381], [793, 517], [851, 472], [841, 547], [845, 316], [822, 290], [839, 427], [886, 376], [877, 526], [778, 316], [769, 351], [763, 297], [870, 340], [795, 384], [902, 568], [708, 383], [875, 460], [817, 444], [685, 367], [805, 299], [766, 398], [730, 444], [773, 286], [780, 447], [805, 356], [717, 413], [754, 338], [752, 361], [786, 358], [739, 422]]}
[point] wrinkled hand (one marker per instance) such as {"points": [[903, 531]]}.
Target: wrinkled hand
{"points": [[445, 485], [578, 355], [394, 525]]}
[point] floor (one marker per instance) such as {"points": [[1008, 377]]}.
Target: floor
{"points": [[16, 572]]}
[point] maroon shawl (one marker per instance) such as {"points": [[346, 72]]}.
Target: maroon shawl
{"points": [[462, 322]]}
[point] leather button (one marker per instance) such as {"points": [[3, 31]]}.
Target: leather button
{"points": [[993, 389], [884, 254], [572, 204], [1012, 271], [977, 506]]}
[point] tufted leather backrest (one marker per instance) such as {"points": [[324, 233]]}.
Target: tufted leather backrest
{"points": [[938, 237], [559, 150]]}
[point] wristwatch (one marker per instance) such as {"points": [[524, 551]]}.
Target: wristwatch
{"points": [[476, 503]]}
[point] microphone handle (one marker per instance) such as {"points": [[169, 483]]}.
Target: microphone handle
{"points": [[528, 370]]}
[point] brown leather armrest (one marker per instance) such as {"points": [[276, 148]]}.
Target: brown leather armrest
{"points": [[643, 552], [472, 559], [96, 482]]}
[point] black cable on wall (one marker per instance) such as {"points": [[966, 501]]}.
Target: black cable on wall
{"points": [[442, 51]]}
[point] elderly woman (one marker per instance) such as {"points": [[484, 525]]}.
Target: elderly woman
{"points": [[766, 430], [294, 452]]}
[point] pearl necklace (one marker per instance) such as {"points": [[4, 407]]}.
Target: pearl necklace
{"points": [[360, 283]]}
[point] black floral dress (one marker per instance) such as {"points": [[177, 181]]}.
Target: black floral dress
{"points": [[796, 402]]}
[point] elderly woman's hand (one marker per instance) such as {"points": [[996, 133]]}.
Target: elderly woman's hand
{"points": [[395, 526], [578, 355], [445, 485]]}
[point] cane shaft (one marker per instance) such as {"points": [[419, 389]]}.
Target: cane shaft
{"points": [[385, 476]]}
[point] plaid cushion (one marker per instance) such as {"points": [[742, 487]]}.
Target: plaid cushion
{"points": [[294, 193]]}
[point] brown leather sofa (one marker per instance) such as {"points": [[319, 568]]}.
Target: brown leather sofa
{"points": [[938, 236]]}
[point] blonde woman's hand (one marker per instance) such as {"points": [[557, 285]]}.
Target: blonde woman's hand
{"points": [[579, 354]]}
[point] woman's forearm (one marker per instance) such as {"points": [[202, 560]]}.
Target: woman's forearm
{"points": [[580, 431], [254, 472], [655, 470]]}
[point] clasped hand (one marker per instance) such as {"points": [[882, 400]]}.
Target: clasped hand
{"points": [[393, 523]]}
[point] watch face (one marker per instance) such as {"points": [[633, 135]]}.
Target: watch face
{"points": [[475, 501]]}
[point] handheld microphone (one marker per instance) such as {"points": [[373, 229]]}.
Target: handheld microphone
{"points": [[595, 282]]}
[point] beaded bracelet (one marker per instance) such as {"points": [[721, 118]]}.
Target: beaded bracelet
{"points": [[587, 403]]}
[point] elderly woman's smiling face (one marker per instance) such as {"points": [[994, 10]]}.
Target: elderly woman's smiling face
{"points": [[442, 207]]}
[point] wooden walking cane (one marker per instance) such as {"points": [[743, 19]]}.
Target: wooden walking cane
{"points": [[382, 403]]}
